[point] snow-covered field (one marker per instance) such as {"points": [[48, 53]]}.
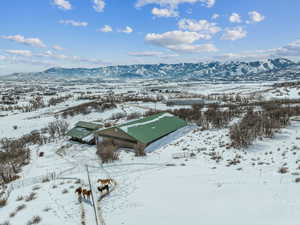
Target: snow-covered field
{"points": [[159, 189]]}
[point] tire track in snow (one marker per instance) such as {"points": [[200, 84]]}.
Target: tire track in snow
{"points": [[99, 210], [82, 214]]}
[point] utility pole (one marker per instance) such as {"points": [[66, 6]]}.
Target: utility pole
{"points": [[94, 205]]}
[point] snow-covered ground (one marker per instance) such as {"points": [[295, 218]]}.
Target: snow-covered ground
{"points": [[200, 188]]}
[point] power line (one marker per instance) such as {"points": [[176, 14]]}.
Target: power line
{"points": [[94, 205]]}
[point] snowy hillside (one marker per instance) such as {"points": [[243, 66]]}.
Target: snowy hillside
{"points": [[191, 176]]}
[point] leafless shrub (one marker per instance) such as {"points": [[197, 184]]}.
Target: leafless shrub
{"points": [[139, 150], [77, 182], [16, 154], [283, 170], [106, 150], [30, 197], [5, 223], [118, 116], [34, 220], [213, 117], [64, 191], [20, 198], [12, 214], [37, 103], [20, 207], [36, 188], [47, 209], [54, 186], [107, 125], [58, 128], [134, 115], [54, 101], [3, 202], [86, 108], [45, 180], [258, 124], [297, 180]]}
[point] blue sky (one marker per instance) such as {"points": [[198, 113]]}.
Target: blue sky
{"points": [[38, 34]]}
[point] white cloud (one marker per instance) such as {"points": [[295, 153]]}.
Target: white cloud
{"points": [[156, 54], [188, 48], [235, 18], [256, 17], [164, 12], [127, 30], [292, 49], [234, 33], [215, 16], [172, 38], [74, 23], [181, 41], [106, 29], [99, 5], [203, 27], [173, 3], [69, 58], [20, 52], [63, 4], [53, 55], [57, 47], [145, 54], [36, 42]]}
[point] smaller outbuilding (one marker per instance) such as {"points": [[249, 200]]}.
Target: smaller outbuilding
{"points": [[83, 132]]}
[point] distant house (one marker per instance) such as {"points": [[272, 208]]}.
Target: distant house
{"points": [[84, 132], [142, 132], [189, 101]]}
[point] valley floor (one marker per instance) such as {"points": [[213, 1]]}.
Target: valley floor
{"points": [[216, 185]]}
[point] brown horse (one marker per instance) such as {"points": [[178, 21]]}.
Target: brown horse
{"points": [[86, 193], [105, 181], [78, 191]]}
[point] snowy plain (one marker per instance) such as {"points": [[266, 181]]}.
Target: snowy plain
{"points": [[158, 189]]}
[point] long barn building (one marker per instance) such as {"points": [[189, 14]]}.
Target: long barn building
{"points": [[142, 132]]}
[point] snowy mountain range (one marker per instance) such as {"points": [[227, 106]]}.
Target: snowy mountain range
{"points": [[263, 70]]}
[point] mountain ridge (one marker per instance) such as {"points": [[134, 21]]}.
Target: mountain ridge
{"points": [[269, 69]]}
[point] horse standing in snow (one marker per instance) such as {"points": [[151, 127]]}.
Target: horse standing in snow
{"points": [[86, 193], [78, 191], [101, 189], [105, 181]]}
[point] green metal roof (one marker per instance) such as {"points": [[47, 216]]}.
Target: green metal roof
{"points": [[83, 129], [79, 132], [151, 128], [87, 125]]}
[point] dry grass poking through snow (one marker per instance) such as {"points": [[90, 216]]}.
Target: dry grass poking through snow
{"points": [[65, 191], [5, 223], [34, 220], [19, 198], [30, 197], [20, 207], [283, 170]]}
